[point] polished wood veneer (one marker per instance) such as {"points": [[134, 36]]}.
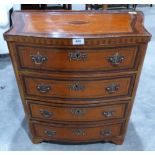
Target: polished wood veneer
{"points": [[51, 23], [90, 112], [79, 88], [64, 59], [77, 72], [74, 134]]}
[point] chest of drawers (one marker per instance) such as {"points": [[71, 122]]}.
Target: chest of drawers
{"points": [[77, 72]]}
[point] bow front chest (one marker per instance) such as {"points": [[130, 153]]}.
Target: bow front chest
{"points": [[77, 72]]}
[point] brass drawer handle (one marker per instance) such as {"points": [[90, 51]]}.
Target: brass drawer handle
{"points": [[43, 88], [38, 59], [112, 88], [77, 56], [77, 87], [116, 59], [78, 112], [106, 132], [108, 113], [79, 132], [50, 133], [46, 113]]}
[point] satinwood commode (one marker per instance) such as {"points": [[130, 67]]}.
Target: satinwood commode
{"points": [[77, 72]]}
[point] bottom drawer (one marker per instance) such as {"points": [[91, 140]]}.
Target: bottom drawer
{"points": [[76, 133]]}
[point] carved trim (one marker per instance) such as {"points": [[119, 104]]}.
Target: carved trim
{"points": [[111, 40]]}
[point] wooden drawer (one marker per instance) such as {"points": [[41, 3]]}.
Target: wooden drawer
{"points": [[80, 60], [76, 133], [95, 112], [79, 88]]}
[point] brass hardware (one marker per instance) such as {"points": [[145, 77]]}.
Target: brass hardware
{"points": [[76, 86], [106, 132], [38, 59], [43, 88], [112, 88], [77, 56], [108, 113], [116, 59], [78, 112], [50, 133], [46, 113], [79, 132]]}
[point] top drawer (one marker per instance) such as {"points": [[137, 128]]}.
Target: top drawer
{"points": [[78, 60]]}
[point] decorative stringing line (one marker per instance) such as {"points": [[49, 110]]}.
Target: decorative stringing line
{"points": [[68, 41]]}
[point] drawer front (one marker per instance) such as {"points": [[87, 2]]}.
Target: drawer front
{"points": [[79, 88], [94, 112], [76, 133], [50, 59]]}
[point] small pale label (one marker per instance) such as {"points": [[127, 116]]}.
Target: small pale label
{"points": [[78, 41], [132, 12]]}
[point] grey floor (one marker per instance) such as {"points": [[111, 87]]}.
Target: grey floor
{"points": [[141, 129]]}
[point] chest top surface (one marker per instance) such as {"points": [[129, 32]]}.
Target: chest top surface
{"points": [[69, 24]]}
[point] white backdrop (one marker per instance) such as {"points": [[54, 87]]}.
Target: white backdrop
{"points": [[4, 24]]}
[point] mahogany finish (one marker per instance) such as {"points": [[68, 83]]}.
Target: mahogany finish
{"points": [[77, 72]]}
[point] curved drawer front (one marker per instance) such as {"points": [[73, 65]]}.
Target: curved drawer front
{"points": [[79, 88], [65, 133], [76, 112], [48, 59]]}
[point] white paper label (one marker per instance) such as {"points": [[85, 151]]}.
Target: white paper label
{"points": [[132, 12], [78, 41]]}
